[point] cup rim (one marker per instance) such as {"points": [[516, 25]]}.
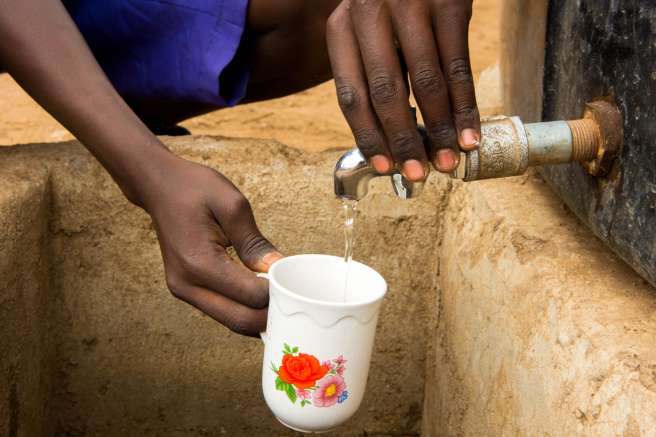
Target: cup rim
{"points": [[323, 303]]}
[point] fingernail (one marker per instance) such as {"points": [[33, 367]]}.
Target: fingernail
{"points": [[381, 163], [269, 259], [413, 170], [469, 139], [446, 160]]}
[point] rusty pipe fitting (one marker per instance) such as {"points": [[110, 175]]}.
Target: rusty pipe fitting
{"points": [[586, 138], [509, 147]]}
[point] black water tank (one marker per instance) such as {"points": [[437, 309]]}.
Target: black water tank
{"points": [[597, 49]]}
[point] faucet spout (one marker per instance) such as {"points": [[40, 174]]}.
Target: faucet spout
{"points": [[353, 173]]}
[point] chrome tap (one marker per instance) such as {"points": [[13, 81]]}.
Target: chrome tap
{"points": [[508, 148], [353, 173]]}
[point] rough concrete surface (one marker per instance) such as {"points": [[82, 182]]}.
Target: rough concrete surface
{"points": [[539, 330], [542, 332], [25, 347], [93, 343]]}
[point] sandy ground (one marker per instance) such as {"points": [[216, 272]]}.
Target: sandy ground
{"points": [[309, 120]]}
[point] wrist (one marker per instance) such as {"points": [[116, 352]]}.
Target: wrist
{"points": [[144, 173]]}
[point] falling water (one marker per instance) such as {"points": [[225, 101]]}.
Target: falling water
{"points": [[349, 220]]}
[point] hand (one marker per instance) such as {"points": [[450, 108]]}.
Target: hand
{"points": [[370, 77], [197, 214], [196, 211]]}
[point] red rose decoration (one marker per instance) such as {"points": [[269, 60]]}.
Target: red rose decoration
{"points": [[302, 370]]}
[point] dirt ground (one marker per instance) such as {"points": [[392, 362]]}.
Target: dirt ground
{"points": [[309, 120]]}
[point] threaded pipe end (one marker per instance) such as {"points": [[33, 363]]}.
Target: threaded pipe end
{"points": [[586, 139]]}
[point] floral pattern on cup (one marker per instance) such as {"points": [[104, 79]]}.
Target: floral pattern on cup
{"points": [[303, 378]]}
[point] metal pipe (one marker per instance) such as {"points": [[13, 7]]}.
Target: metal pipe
{"points": [[549, 143], [508, 148]]}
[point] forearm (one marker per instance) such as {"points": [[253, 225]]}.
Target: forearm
{"points": [[41, 47]]}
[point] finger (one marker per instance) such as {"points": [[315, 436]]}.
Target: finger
{"points": [[352, 92], [212, 268], [235, 215], [373, 28], [417, 40], [236, 317], [451, 22]]}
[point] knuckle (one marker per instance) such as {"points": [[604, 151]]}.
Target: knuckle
{"points": [[253, 246], [368, 141], [176, 286], [405, 145], [364, 6], [442, 134], [336, 22], [259, 301], [189, 263], [348, 98], [427, 81], [465, 113], [463, 7], [241, 323], [237, 205], [459, 71], [384, 89]]}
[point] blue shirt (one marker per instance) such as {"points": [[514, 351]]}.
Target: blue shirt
{"points": [[169, 51]]}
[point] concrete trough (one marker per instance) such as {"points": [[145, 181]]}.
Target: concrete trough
{"points": [[92, 343], [505, 315]]}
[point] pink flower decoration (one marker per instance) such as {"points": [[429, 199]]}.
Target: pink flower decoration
{"points": [[328, 390], [340, 370], [303, 394], [328, 364], [340, 361]]}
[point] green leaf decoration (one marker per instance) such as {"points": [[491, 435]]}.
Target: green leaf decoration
{"points": [[304, 403], [291, 393], [280, 385], [295, 350], [273, 367], [287, 349]]}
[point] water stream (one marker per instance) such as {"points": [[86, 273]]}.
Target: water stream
{"points": [[349, 240]]}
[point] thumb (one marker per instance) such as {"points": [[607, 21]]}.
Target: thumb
{"points": [[264, 263], [238, 223], [255, 251]]}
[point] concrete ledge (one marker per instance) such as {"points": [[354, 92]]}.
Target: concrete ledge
{"points": [[25, 302], [541, 330]]}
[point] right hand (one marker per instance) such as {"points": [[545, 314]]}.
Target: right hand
{"points": [[369, 43], [198, 213]]}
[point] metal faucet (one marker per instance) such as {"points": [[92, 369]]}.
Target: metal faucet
{"points": [[508, 148], [353, 173]]}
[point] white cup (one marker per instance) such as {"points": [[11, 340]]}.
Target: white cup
{"points": [[319, 339]]}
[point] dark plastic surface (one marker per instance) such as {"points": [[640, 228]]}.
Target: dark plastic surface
{"points": [[608, 48]]}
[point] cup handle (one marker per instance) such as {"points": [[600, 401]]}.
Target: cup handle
{"points": [[263, 335]]}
